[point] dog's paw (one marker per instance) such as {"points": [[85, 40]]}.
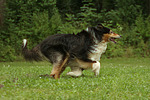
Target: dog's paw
{"points": [[55, 76], [96, 73]]}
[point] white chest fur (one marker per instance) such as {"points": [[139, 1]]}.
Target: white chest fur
{"points": [[97, 51]]}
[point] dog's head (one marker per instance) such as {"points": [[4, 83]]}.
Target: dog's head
{"points": [[103, 33], [108, 35]]}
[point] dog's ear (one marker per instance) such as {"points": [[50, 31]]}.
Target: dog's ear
{"points": [[100, 26]]}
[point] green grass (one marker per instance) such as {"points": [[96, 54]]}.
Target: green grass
{"points": [[119, 79]]}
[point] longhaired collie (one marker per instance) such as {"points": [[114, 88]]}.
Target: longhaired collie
{"points": [[79, 52]]}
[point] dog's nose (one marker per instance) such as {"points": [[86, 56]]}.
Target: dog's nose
{"points": [[120, 36]]}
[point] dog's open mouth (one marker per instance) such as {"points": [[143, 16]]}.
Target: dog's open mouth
{"points": [[113, 39]]}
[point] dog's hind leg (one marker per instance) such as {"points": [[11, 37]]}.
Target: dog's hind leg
{"points": [[58, 68], [75, 71]]}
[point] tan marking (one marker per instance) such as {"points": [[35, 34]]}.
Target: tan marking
{"points": [[85, 65], [106, 37], [58, 69]]}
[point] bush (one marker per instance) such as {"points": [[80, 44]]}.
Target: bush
{"points": [[114, 50], [35, 20], [7, 53]]}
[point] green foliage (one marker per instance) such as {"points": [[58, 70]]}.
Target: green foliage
{"points": [[83, 19], [36, 19], [88, 13], [143, 32], [137, 36], [55, 22], [25, 21], [143, 27], [39, 29], [68, 28], [114, 50], [7, 53], [124, 12]]}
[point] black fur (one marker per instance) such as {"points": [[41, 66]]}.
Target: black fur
{"points": [[76, 46], [32, 55]]}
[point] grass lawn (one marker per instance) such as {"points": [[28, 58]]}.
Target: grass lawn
{"points": [[119, 79]]}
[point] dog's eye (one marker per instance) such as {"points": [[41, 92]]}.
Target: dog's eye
{"points": [[111, 32]]}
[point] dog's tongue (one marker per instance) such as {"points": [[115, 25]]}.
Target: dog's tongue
{"points": [[113, 40]]}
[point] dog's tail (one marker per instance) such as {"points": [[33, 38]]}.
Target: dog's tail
{"points": [[31, 55]]}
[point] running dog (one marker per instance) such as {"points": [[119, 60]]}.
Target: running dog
{"points": [[79, 52]]}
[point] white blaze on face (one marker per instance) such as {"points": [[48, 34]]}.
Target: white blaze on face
{"points": [[24, 42]]}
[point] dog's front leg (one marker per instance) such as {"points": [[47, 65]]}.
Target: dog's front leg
{"points": [[55, 72], [96, 68], [59, 68]]}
